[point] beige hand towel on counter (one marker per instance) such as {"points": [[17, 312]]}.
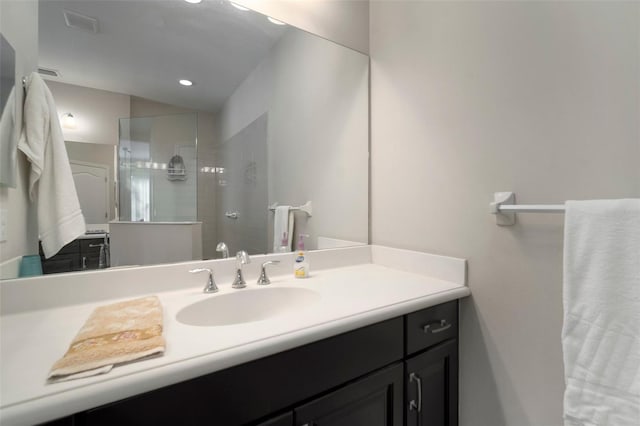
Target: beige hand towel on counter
{"points": [[113, 334]]}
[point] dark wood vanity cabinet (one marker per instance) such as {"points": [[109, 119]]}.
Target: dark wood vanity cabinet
{"points": [[285, 419], [66, 260], [432, 386], [431, 379], [79, 255], [375, 400], [365, 377]]}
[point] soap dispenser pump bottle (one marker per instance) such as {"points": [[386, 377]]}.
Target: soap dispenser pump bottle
{"points": [[301, 264], [284, 244]]}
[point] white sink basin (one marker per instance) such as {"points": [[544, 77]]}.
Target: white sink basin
{"points": [[246, 305]]}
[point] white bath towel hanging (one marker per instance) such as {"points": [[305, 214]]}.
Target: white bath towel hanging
{"points": [[9, 142], [51, 184], [282, 222], [601, 298]]}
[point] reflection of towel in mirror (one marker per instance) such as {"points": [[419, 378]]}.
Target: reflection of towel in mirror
{"points": [[60, 219], [282, 222], [8, 141]]}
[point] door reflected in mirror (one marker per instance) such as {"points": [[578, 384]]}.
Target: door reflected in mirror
{"points": [[274, 116]]}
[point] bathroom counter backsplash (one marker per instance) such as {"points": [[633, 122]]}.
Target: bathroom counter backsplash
{"points": [[365, 285]]}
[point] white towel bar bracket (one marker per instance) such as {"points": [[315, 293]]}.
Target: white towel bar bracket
{"points": [[505, 209], [500, 198]]}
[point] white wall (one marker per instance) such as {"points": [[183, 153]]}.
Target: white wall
{"points": [[343, 21], [149, 243], [468, 98], [315, 93], [96, 112], [19, 23]]}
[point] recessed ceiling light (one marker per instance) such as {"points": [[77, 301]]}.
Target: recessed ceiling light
{"points": [[240, 7], [193, 1], [275, 21], [186, 82]]}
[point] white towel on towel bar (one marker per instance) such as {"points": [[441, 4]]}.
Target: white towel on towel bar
{"points": [[601, 298], [60, 219], [282, 222]]}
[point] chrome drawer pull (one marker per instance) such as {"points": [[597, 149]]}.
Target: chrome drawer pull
{"points": [[412, 405], [443, 326]]}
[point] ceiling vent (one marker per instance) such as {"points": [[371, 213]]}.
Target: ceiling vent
{"points": [[80, 22], [48, 72]]}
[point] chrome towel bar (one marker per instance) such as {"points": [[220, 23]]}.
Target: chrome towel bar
{"points": [[306, 207], [504, 207]]}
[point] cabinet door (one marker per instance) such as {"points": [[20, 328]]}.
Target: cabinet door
{"points": [[432, 386], [60, 263], [375, 400], [67, 259]]}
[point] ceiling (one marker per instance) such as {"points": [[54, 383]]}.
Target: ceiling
{"points": [[143, 47]]}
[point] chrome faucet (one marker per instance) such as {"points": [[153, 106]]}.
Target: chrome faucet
{"points": [[222, 247], [104, 259], [211, 286], [264, 280], [243, 258]]}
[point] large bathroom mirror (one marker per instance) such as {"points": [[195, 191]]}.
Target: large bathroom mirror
{"points": [[188, 125]]}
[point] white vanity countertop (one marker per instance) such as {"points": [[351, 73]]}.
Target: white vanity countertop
{"points": [[350, 297]]}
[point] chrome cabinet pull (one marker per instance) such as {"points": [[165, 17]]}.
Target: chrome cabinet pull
{"points": [[443, 326], [413, 377], [231, 215]]}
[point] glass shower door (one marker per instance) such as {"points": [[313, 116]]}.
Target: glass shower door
{"points": [[157, 168]]}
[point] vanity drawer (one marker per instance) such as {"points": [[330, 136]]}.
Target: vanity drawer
{"points": [[430, 326]]}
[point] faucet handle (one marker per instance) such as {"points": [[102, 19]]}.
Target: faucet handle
{"points": [[243, 258], [222, 247], [211, 286], [264, 280]]}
